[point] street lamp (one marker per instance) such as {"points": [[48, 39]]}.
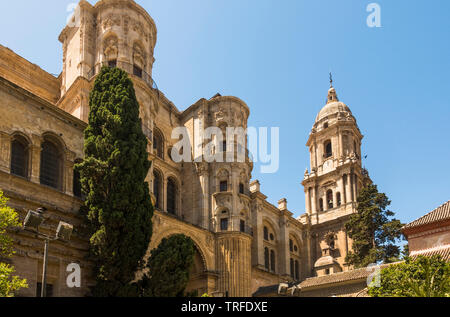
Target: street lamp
{"points": [[31, 223]]}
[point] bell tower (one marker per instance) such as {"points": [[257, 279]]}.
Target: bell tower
{"points": [[113, 33], [333, 182]]}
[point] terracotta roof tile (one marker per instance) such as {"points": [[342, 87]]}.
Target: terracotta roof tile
{"points": [[443, 251], [358, 274], [439, 214]]}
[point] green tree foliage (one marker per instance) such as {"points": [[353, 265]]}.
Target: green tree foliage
{"points": [[118, 203], [168, 267], [421, 277], [372, 230], [9, 219]]}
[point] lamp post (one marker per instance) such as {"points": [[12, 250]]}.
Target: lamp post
{"points": [[31, 223]]}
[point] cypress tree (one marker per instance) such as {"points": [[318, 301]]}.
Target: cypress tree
{"points": [[118, 204], [373, 231], [168, 267]]}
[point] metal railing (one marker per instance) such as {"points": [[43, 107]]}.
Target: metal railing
{"points": [[129, 68]]}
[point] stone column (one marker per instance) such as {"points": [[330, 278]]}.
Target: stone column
{"points": [[68, 173], [5, 152], [344, 189], [341, 189], [315, 156], [313, 200], [204, 183], [259, 234], [36, 158], [353, 186], [163, 194], [234, 183], [283, 247], [349, 189], [307, 201], [178, 206]]}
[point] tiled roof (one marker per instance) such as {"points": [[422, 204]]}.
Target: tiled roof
{"points": [[443, 251], [353, 275], [439, 214], [271, 290], [266, 290]]}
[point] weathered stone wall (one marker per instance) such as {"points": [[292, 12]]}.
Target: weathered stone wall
{"points": [[28, 76], [34, 119]]}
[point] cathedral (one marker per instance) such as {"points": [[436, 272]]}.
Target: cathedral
{"points": [[243, 242]]}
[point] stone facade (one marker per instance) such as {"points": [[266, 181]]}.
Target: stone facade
{"points": [[243, 242]]}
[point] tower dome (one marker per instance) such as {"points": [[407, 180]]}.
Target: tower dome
{"points": [[333, 110]]}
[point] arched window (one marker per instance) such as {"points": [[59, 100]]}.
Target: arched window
{"points": [[338, 199], [292, 268], [19, 156], [157, 189], [171, 196], [291, 245], [330, 199], [328, 149], [266, 233], [297, 270], [272, 260], [266, 258], [51, 165], [77, 192], [158, 144]]}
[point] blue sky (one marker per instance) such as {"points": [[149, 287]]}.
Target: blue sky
{"points": [[276, 56]]}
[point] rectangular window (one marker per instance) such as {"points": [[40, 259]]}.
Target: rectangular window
{"points": [[224, 224], [242, 226], [241, 188], [223, 186]]}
